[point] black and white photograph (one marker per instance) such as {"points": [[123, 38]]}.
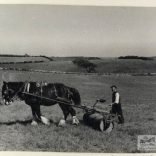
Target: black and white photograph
{"points": [[77, 78]]}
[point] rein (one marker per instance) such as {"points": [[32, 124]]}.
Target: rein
{"points": [[58, 99]]}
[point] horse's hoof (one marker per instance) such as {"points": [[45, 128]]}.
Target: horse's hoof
{"points": [[45, 120], [76, 124], [62, 123], [75, 121], [7, 103], [34, 123]]}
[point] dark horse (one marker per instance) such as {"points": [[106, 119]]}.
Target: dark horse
{"points": [[36, 94]]}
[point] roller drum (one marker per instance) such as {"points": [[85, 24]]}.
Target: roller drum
{"points": [[97, 121]]}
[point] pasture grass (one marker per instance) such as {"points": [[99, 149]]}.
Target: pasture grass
{"points": [[138, 102]]}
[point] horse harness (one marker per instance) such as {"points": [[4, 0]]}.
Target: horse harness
{"points": [[26, 90], [40, 86]]}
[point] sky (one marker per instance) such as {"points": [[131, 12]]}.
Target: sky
{"points": [[77, 30]]}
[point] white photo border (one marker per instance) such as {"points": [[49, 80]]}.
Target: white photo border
{"points": [[118, 3]]}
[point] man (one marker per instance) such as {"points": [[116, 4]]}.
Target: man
{"points": [[116, 104]]}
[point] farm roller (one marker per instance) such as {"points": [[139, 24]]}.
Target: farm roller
{"points": [[98, 119], [93, 117]]}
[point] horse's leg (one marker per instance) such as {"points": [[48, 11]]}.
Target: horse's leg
{"points": [[65, 111], [34, 114], [73, 113], [37, 115]]}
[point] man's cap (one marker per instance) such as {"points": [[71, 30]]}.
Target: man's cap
{"points": [[113, 86]]}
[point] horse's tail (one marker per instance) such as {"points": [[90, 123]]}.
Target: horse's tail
{"points": [[75, 96]]}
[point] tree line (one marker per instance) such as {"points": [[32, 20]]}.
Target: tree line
{"points": [[135, 57]]}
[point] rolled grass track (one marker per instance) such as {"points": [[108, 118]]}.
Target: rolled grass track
{"points": [[138, 102]]}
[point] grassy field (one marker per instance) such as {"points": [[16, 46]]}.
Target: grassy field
{"points": [[104, 65], [138, 101]]}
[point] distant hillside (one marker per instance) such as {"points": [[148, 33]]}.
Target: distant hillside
{"points": [[12, 55], [115, 65], [74, 57], [103, 65], [136, 57], [22, 58]]}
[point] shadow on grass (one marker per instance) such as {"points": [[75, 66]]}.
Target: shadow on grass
{"points": [[16, 122], [88, 125], [25, 122]]}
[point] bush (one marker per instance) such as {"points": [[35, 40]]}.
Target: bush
{"points": [[84, 63]]}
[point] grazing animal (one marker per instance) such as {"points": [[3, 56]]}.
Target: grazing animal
{"points": [[42, 93]]}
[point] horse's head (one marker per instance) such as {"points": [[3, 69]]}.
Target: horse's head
{"points": [[7, 93]]}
